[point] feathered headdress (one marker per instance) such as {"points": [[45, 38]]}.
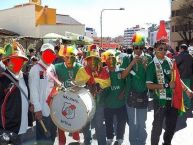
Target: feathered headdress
{"points": [[138, 40]]}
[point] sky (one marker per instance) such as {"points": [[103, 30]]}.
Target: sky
{"points": [[87, 12]]}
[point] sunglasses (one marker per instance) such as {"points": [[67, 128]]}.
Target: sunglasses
{"points": [[138, 47], [162, 49]]}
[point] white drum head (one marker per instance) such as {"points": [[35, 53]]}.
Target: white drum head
{"points": [[69, 112]]}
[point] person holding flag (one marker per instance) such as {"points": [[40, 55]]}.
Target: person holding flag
{"points": [[163, 79]]}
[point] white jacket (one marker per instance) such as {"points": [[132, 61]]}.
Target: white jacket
{"points": [[41, 84]]}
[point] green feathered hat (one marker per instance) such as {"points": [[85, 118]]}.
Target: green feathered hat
{"points": [[14, 50]]}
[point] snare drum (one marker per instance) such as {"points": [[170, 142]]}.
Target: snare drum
{"points": [[72, 109]]}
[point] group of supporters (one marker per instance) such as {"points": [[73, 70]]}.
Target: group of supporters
{"points": [[119, 83]]}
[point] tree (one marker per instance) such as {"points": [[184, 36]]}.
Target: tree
{"points": [[184, 21]]}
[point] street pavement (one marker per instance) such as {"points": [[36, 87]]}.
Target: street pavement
{"points": [[183, 135]]}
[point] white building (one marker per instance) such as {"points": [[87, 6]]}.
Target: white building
{"points": [[90, 32], [129, 32], [35, 21]]}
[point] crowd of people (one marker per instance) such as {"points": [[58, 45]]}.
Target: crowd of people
{"points": [[120, 84]]}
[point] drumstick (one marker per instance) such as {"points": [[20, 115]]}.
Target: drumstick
{"points": [[43, 126], [47, 134]]}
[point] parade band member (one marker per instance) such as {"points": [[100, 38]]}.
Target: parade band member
{"points": [[96, 79], [159, 79], [41, 84], [137, 101], [14, 94], [66, 73], [114, 100]]}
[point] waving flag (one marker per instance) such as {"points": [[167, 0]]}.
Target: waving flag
{"points": [[177, 101], [85, 75]]}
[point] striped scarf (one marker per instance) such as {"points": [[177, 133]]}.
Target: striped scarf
{"points": [[160, 77]]}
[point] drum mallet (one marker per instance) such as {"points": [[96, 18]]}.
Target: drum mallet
{"points": [[46, 132]]}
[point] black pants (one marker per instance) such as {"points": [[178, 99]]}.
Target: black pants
{"points": [[121, 117], [41, 137], [170, 115]]}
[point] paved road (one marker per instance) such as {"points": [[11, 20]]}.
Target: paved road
{"points": [[183, 136]]}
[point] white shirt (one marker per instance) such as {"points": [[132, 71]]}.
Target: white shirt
{"points": [[40, 84]]}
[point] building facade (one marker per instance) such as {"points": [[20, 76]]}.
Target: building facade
{"points": [[181, 31], [90, 32], [34, 20]]}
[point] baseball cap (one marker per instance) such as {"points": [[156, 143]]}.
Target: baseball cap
{"points": [[47, 46]]}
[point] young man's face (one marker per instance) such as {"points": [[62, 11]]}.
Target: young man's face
{"points": [[111, 63], [160, 51], [181, 50], [33, 53], [15, 64], [93, 63], [137, 50], [69, 61], [48, 57]]}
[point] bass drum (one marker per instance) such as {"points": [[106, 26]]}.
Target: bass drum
{"points": [[72, 109]]}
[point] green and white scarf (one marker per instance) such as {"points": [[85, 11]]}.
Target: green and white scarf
{"points": [[160, 76]]}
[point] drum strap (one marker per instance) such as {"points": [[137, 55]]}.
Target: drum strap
{"points": [[54, 90], [52, 93], [51, 75]]}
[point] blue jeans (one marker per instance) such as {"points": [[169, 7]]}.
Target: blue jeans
{"points": [[121, 116], [100, 128], [137, 125]]}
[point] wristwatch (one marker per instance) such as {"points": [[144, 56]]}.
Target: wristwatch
{"points": [[166, 85]]}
